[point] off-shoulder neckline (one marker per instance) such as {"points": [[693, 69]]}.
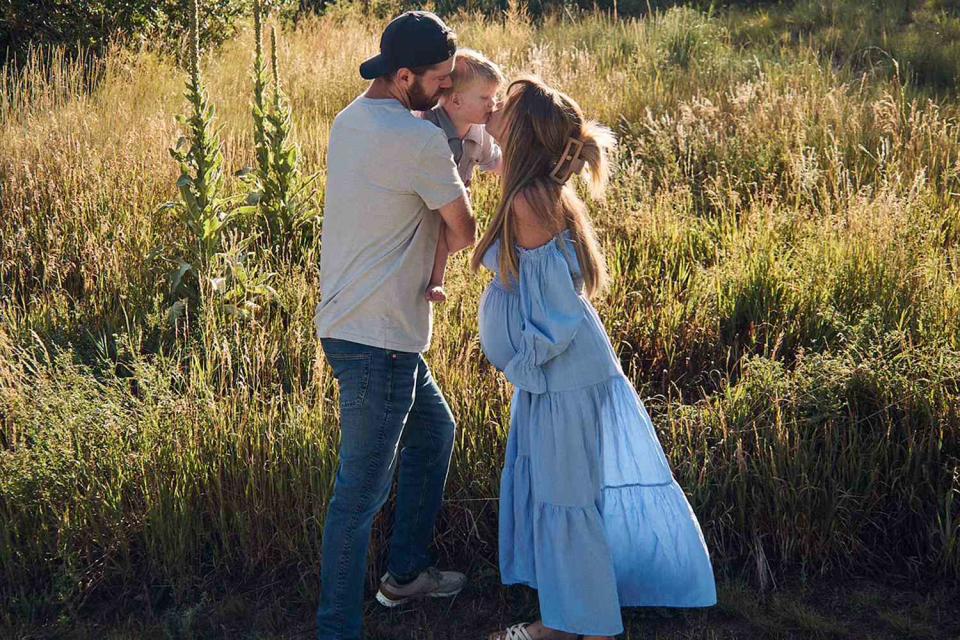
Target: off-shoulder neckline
{"points": [[545, 247]]}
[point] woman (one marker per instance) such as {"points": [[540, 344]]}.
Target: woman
{"points": [[590, 514]]}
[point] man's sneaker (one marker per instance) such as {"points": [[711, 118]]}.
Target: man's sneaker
{"points": [[431, 583]]}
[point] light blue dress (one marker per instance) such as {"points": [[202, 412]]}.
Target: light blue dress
{"points": [[590, 514]]}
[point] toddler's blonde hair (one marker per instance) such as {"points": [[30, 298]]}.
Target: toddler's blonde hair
{"points": [[471, 65]]}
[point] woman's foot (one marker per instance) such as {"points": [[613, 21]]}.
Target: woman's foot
{"points": [[533, 631]]}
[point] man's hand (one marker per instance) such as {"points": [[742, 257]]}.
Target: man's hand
{"points": [[461, 225]]}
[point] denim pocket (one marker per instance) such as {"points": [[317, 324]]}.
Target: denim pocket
{"points": [[352, 371]]}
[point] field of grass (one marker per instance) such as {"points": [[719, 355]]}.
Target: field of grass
{"points": [[783, 234]]}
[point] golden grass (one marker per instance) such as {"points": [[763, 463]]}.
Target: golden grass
{"points": [[784, 239]]}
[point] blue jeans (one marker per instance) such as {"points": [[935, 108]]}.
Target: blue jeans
{"points": [[390, 408]]}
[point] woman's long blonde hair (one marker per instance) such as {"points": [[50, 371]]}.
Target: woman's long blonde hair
{"points": [[538, 123]]}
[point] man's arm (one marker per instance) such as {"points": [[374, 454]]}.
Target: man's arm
{"points": [[436, 180], [461, 225]]}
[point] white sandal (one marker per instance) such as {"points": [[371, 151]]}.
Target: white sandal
{"points": [[514, 632]]}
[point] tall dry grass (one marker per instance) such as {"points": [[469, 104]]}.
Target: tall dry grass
{"points": [[784, 240]]}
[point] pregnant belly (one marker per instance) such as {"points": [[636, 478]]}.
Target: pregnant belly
{"points": [[499, 326]]}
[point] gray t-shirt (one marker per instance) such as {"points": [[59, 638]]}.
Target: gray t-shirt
{"points": [[387, 173]]}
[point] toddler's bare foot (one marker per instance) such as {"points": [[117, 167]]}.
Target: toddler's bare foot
{"points": [[436, 293]]}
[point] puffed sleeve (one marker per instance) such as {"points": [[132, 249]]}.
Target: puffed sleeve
{"points": [[551, 310]]}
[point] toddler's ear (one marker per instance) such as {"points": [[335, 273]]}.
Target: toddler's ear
{"points": [[456, 98]]}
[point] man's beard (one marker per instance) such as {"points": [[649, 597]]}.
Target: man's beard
{"points": [[419, 100]]}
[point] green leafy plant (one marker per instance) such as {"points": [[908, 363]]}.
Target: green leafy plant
{"points": [[203, 207], [286, 204], [242, 287]]}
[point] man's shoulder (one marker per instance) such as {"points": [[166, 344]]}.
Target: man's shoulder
{"points": [[386, 119], [430, 115], [422, 127], [422, 136]]}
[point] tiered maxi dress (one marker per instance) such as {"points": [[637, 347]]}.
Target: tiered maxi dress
{"points": [[590, 514]]}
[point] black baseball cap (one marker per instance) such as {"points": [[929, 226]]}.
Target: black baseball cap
{"points": [[412, 39]]}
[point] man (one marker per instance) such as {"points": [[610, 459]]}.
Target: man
{"points": [[390, 180]]}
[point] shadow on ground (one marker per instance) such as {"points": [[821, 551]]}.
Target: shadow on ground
{"points": [[821, 609]]}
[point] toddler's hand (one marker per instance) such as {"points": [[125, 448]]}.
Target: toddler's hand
{"points": [[435, 293]]}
